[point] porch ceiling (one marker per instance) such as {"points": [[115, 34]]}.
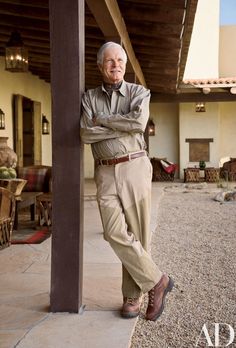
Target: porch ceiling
{"points": [[155, 33]]}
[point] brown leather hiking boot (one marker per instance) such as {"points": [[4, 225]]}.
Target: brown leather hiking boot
{"points": [[130, 308], [157, 297]]}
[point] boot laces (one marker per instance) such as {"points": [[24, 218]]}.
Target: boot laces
{"points": [[151, 297], [131, 300]]}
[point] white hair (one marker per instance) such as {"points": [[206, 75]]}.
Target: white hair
{"points": [[100, 54]]}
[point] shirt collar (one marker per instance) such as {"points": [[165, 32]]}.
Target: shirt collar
{"points": [[122, 88]]}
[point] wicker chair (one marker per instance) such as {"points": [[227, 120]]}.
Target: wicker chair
{"points": [[228, 171], [159, 174], [7, 215]]}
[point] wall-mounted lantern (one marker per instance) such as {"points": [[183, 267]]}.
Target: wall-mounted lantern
{"points": [[2, 119], [16, 55], [200, 107], [45, 125], [151, 128]]}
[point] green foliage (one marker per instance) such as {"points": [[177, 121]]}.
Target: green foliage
{"points": [[7, 173], [202, 164]]}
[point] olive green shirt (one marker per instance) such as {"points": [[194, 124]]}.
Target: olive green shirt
{"points": [[114, 124]]}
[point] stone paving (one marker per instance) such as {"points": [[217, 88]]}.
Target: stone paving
{"points": [[25, 320]]}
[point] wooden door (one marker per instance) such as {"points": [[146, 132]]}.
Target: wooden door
{"points": [[18, 128], [37, 132], [27, 131]]}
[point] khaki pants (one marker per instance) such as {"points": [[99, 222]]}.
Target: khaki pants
{"points": [[124, 196]]}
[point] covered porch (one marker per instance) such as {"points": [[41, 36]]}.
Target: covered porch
{"points": [[63, 38], [25, 315]]}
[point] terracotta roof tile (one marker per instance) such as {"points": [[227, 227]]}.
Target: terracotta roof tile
{"points": [[211, 81]]}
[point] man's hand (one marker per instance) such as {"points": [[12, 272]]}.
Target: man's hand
{"points": [[94, 120], [97, 119]]}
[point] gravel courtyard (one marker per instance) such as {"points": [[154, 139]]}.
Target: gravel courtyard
{"points": [[195, 243]]}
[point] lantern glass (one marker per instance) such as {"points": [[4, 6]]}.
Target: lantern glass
{"points": [[16, 55], [200, 107], [2, 119], [151, 128], [45, 125]]}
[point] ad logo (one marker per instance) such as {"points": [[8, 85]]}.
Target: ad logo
{"points": [[216, 340]]}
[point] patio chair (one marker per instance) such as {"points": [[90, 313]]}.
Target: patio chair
{"points": [[7, 215], [163, 170], [228, 171]]}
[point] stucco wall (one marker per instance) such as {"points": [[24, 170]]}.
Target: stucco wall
{"points": [[228, 129], [165, 143], [203, 53], [88, 162], [29, 86], [227, 56], [199, 125]]}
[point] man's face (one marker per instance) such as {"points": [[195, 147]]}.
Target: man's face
{"points": [[113, 67]]}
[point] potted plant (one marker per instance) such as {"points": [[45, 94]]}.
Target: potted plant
{"points": [[202, 164], [9, 181]]}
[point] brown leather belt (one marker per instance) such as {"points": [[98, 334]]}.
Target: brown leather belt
{"points": [[113, 161]]}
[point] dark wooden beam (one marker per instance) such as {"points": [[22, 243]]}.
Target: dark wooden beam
{"points": [[193, 97], [186, 36], [167, 3], [24, 10], [25, 33], [152, 13], [67, 76], [151, 29], [22, 22], [154, 51], [32, 3], [39, 58], [27, 42], [158, 43]]}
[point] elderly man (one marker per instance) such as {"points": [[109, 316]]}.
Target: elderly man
{"points": [[113, 121]]}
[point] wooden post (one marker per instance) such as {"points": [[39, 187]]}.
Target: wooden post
{"points": [[67, 82]]}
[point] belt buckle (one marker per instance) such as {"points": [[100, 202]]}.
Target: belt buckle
{"points": [[130, 157]]}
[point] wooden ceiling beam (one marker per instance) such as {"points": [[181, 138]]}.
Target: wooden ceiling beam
{"points": [[153, 14], [161, 60], [90, 22], [25, 11], [186, 37], [93, 33], [31, 34], [90, 59], [160, 74], [151, 29], [159, 43], [163, 82], [32, 3], [22, 22], [95, 42], [157, 64], [193, 97], [39, 59], [27, 42], [170, 3], [153, 50], [111, 23], [39, 50]]}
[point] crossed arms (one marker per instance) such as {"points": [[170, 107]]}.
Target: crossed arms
{"points": [[97, 126]]}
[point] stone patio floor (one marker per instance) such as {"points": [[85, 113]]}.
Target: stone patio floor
{"points": [[25, 320]]}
